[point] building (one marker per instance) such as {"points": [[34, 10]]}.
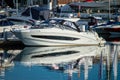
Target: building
{"points": [[52, 3]]}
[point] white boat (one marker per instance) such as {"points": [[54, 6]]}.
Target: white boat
{"points": [[112, 28], [6, 26], [57, 32], [31, 14]]}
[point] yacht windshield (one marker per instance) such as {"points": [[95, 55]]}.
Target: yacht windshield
{"points": [[58, 23], [43, 25], [64, 24]]}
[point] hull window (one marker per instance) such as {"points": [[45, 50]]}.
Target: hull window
{"points": [[55, 37]]}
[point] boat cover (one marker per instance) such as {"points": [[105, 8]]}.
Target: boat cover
{"points": [[37, 13]]}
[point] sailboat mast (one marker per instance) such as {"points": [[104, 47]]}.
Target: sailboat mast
{"points": [[17, 7], [109, 10]]}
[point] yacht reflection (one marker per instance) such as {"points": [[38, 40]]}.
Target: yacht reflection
{"points": [[66, 59], [55, 55], [6, 59]]}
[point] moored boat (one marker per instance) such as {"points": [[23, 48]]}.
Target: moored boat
{"points": [[110, 27], [57, 32]]}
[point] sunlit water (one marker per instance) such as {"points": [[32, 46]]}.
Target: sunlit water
{"points": [[61, 63]]}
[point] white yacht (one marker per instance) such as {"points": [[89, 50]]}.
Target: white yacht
{"points": [[57, 32], [32, 14], [111, 27], [5, 27]]}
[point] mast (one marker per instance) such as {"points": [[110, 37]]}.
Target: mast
{"points": [[50, 4], [17, 6], [109, 10], [15, 2]]}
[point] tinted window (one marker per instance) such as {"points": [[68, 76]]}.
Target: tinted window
{"points": [[55, 37]]}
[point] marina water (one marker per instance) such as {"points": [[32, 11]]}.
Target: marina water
{"points": [[61, 63]]}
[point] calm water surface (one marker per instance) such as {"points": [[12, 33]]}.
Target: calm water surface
{"points": [[61, 63]]}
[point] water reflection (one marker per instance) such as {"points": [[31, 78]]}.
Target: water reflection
{"points": [[54, 55], [62, 63], [112, 62], [6, 60], [65, 59]]}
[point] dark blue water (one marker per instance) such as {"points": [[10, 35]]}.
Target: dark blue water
{"points": [[61, 63], [20, 72]]}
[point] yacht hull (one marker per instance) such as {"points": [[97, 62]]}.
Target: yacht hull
{"points": [[111, 29], [57, 37]]}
